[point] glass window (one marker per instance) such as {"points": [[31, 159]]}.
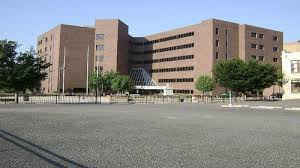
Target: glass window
{"points": [[99, 36], [275, 59], [261, 58], [217, 43], [253, 45], [253, 34], [295, 66], [261, 36], [275, 49], [261, 47], [295, 86], [275, 38], [99, 47], [217, 30]]}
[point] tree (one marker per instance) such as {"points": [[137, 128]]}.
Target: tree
{"points": [[20, 71], [110, 81], [121, 84], [107, 81], [232, 74], [205, 84], [243, 77]]}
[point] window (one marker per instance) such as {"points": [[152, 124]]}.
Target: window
{"points": [[165, 49], [46, 39], [295, 86], [45, 49], [261, 47], [295, 66], [217, 43], [99, 36], [253, 45], [262, 36], [253, 57], [275, 38], [253, 34], [275, 49], [164, 39], [176, 80], [217, 31], [261, 58], [217, 55], [275, 59], [99, 47]]}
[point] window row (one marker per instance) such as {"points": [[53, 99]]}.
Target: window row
{"points": [[190, 68], [166, 39], [40, 42], [255, 35], [176, 80], [262, 36], [183, 91], [184, 57], [40, 51], [260, 58], [257, 46], [166, 49]]}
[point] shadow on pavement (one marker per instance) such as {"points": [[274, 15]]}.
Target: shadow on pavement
{"points": [[37, 150]]}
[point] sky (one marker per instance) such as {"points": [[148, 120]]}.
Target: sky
{"points": [[23, 21]]}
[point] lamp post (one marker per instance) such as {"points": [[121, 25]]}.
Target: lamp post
{"points": [[87, 70], [63, 69]]}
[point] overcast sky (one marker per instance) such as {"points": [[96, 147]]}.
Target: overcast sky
{"points": [[23, 21]]}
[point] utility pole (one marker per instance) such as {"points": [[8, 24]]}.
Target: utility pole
{"points": [[87, 70]]}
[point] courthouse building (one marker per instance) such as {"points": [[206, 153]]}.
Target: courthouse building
{"points": [[168, 62]]}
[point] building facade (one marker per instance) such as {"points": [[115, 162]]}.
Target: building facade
{"points": [[172, 60], [291, 70]]}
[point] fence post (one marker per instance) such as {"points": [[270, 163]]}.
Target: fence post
{"points": [[55, 99]]}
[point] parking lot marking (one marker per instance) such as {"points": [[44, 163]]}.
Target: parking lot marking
{"points": [[293, 109]]}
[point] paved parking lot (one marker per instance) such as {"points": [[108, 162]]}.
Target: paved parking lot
{"points": [[128, 136]]}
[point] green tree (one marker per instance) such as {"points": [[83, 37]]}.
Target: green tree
{"points": [[20, 71], [243, 77], [205, 84], [96, 81], [260, 76], [232, 74], [107, 81], [121, 84], [110, 81]]}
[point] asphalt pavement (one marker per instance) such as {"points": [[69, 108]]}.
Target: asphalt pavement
{"points": [[149, 135]]}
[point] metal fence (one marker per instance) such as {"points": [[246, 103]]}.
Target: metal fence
{"points": [[114, 99]]}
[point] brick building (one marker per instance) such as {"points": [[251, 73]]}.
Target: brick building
{"points": [[170, 60]]}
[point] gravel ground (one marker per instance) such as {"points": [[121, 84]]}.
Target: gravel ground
{"points": [[142, 136]]}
